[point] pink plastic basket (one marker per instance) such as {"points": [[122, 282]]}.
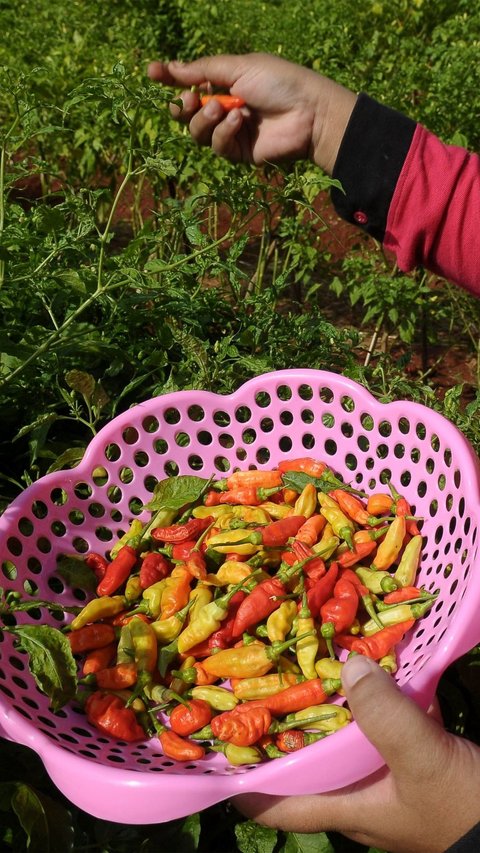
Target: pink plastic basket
{"points": [[290, 413]]}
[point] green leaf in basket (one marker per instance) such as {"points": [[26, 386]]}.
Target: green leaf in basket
{"points": [[327, 482], [76, 573], [301, 842], [50, 661], [253, 838], [175, 492]]}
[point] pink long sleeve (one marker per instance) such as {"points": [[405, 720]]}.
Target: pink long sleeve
{"points": [[434, 216]]}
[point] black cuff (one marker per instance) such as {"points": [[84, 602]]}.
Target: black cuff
{"points": [[469, 843], [369, 162]]}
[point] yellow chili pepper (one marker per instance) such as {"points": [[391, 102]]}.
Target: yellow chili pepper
{"points": [[328, 668], [389, 662], [389, 548], [276, 511], [208, 620], [328, 543], [377, 582], [279, 623], [342, 525], [167, 630], [125, 650], [397, 613], [265, 685], [336, 717], [213, 511], [218, 698], [144, 645], [98, 608], [133, 532], [307, 648], [232, 571], [133, 588], [238, 755], [223, 521], [152, 595], [200, 595], [217, 541], [306, 503], [407, 569]]}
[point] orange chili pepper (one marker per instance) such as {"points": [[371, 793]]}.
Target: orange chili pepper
{"points": [[310, 466], [177, 591], [310, 531]]}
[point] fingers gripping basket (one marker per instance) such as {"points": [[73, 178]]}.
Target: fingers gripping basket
{"points": [[286, 414]]}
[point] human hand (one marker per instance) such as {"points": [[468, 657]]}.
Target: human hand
{"points": [[291, 112], [424, 799]]}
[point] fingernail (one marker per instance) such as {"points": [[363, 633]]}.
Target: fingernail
{"points": [[355, 669], [212, 110], [233, 117]]}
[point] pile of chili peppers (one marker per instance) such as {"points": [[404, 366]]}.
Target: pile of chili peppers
{"points": [[224, 630]]}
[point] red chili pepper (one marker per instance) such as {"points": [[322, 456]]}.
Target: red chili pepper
{"points": [[221, 639], [404, 594], [125, 617], [179, 749], [97, 564], [322, 590], [181, 550], [118, 571], [379, 644], [181, 532], [338, 613], [291, 741], [154, 568], [314, 569], [243, 726], [91, 637], [108, 713], [187, 719], [212, 498], [310, 466], [228, 102], [262, 600], [277, 533]]}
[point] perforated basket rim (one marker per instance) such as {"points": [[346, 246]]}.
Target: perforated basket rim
{"points": [[134, 797]]}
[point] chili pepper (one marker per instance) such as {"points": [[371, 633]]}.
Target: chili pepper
{"points": [[322, 590], [208, 620], [377, 582], [186, 719], [166, 630], [247, 496], [339, 611], [310, 466], [364, 543], [314, 568], [246, 661], [182, 532], [389, 549], [297, 696], [181, 550], [306, 503], [109, 714], [342, 526], [224, 635], [116, 677], [295, 739], [97, 609], [133, 590], [131, 537], [328, 668], [406, 593], [212, 498], [243, 726], [178, 748], [267, 746], [125, 651], [309, 532], [154, 568], [97, 564], [257, 479], [231, 541], [152, 597], [144, 645], [176, 592], [118, 570], [98, 659], [212, 511], [279, 623], [196, 563], [238, 755], [219, 698], [398, 613], [199, 596], [277, 511], [264, 685], [379, 504], [289, 496], [126, 617], [258, 605], [228, 102], [91, 637], [406, 571], [328, 542], [273, 535], [231, 571], [352, 507], [323, 718], [389, 662], [202, 677], [307, 648], [403, 508], [363, 593], [379, 644]]}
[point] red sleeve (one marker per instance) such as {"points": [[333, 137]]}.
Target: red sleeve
{"points": [[410, 191], [434, 215]]}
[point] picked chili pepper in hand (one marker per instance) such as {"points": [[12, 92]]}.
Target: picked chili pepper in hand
{"points": [[228, 102]]}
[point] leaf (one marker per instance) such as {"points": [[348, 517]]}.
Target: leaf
{"points": [[300, 842], [50, 661], [83, 383], [175, 492], [47, 823], [68, 459], [76, 573], [253, 838], [326, 483], [188, 836]]}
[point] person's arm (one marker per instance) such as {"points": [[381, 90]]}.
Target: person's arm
{"points": [[418, 196], [421, 198]]}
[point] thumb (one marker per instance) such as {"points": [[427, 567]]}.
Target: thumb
{"points": [[402, 733]]}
